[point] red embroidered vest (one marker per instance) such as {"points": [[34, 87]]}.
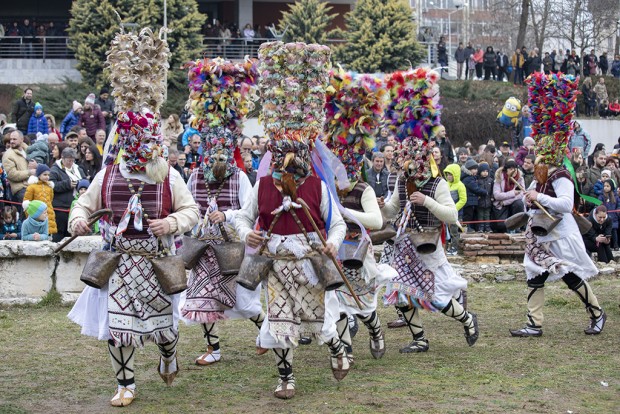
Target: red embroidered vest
{"points": [[269, 199]]}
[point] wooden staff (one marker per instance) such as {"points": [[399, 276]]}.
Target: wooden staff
{"points": [[93, 219], [273, 223], [536, 203], [306, 210]]}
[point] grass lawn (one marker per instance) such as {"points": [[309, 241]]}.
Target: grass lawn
{"points": [[47, 366]]}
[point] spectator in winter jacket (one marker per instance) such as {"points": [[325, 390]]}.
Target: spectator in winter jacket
{"points": [[508, 197], [452, 174], [611, 201], [527, 169], [92, 118], [525, 150], [22, 111], [444, 143], [459, 56], [107, 107], [469, 172], [598, 238], [72, 119], [580, 139], [39, 150], [469, 51], [35, 227], [485, 202], [547, 63], [603, 64], [41, 188], [38, 122], [65, 174], [10, 224], [18, 169], [615, 67], [489, 63], [595, 172], [597, 189]]}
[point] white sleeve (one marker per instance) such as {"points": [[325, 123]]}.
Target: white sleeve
{"points": [[89, 202], [245, 189], [371, 216], [564, 191], [442, 206], [245, 218], [337, 229], [392, 207]]}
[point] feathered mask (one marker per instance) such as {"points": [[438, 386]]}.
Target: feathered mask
{"points": [[137, 65], [552, 100], [354, 108]]}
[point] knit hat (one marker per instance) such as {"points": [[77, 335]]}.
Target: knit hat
{"points": [[354, 106], [36, 208], [608, 172], [611, 184], [470, 164], [38, 106], [483, 166], [76, 106], [41, 168], [90, 99], [104, 90], [528, 141], [83, 183], [42, 137]]}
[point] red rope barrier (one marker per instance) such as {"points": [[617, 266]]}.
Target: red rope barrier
{"points": [[19, 204]]}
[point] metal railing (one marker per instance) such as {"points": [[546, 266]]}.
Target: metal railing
{"points": [[237, 48], [37, 47]]}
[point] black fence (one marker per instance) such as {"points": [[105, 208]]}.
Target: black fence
{"points": [[39, 47]]}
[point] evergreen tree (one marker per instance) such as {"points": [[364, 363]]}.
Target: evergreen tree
{"points": [[379, 37], [306, 21], [93, 25]]}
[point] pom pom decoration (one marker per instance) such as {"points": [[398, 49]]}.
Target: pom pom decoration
{"points": [[354, 110], [414, 107], [293, 80], [221, 93], [552, 99]]}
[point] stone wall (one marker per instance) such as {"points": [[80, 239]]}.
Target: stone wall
{"points": [[29, 71], [29, 270], [479, 245]]}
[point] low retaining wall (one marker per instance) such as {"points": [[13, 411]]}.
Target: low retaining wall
{"points": [[474, 245], [29, 270]]}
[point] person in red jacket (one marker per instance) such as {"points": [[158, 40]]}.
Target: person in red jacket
{"points": [[92, 118]]}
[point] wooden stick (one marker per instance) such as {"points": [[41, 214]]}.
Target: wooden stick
{"points": [[306, 210], [93, 219], [273, 223], [536, 203]]}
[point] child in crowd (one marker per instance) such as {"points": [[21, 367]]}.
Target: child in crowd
{"points": [[452, 173], [525, 150], [41, 188], [35, 226], [10, 225], [485, 202], [38, 122], [80, 189], [610, 200], [469, 172], [598, 186]]}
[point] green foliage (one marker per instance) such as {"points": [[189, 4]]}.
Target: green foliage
{"points": [[52, 298], [94, 24], [380, 37], [306, 21]]}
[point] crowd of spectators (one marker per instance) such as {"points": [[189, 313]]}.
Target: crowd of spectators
{"points": [[54, 166], [26, 38]]}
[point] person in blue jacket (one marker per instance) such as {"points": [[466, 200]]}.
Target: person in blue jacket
{"points": [[38, 122], [72, 119], [469, 178]]}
